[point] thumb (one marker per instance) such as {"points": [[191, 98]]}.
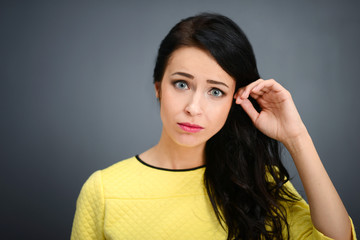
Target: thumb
{"points": [[249, 109]]}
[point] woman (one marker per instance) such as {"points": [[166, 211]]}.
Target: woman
{"points": [[216, 171]]}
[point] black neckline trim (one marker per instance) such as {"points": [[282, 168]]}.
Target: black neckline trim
{"points": [[167, 169]]}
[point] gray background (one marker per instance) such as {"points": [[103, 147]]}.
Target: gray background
{"points": [[76, 92]]}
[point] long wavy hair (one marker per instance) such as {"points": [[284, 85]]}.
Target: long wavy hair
{"points": [[244, 175]]}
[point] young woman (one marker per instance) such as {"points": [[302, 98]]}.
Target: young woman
{"points": [[216, 171]]}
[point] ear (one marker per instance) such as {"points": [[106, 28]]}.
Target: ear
{"points": [[157, 89]]}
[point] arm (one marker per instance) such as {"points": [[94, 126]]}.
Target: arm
{"points": [[299, 219], [328, 213], [280, 120]]}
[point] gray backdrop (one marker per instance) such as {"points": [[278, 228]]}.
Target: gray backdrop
{"points": [[76, 92]]}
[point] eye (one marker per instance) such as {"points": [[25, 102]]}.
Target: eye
{"points": [[216, 92], [181, 85]]}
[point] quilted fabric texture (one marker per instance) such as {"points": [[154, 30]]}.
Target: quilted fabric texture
{"points": [[131, 200]]}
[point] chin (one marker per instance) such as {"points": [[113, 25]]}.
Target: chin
{"points": [[190, 141]]}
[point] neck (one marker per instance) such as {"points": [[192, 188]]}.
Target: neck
{"points": [[170, 155]]}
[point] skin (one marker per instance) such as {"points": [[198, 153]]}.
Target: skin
{"points": [[278, 119], [189, 92]]}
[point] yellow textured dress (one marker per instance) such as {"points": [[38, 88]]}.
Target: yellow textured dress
{"points": [[133, 200]]}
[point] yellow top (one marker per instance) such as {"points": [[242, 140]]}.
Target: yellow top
{"points": [[133, 200]]}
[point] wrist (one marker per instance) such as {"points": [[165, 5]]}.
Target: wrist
{"points": [[298, 143]]}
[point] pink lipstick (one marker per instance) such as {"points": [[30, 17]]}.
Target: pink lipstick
{"points": [[188, 127]]}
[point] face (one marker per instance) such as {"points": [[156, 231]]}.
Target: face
{"points": [[195, 97]]}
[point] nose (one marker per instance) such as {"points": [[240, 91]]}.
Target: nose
{"points": [[194, 106]]}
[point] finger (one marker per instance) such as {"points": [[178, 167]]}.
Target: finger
{"points": [[249, 109], [256, 95], [238, 95], [257, 89], [245, 94], [260, 88], [269, 85], [265, 87], [239, 92]]}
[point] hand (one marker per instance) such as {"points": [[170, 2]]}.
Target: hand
{"points": [[279, 118]]}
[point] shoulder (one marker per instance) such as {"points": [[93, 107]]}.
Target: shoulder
{"points": [[119, 171], [122, 166], [120, 179], [111, 175]]}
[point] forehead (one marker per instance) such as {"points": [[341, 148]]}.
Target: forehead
{"points": [[197, 62]]}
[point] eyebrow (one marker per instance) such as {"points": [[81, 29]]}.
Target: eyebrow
{"points": [[217, 82], [192, 77], [183, 74]]}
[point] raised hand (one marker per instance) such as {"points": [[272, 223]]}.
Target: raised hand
{"points": [[278, 118]]}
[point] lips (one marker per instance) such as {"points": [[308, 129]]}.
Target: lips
{"points": [[188, 127]]}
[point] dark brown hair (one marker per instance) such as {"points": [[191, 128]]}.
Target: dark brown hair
{"points": [[244, 175]]}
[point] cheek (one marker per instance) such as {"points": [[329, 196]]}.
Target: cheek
{"points": [[169, 105], [220, 114]]}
